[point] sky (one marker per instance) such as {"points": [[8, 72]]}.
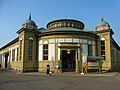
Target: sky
{"points": [[14, 12]]}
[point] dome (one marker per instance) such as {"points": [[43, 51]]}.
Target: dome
{"points": [[102, 23], [29, 24], [65, 23]]}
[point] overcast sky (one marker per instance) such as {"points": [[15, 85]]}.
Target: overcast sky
{"points": [[14, 12]]}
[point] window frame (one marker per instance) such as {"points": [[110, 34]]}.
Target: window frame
{"points": [[30, 49], [17, 54], [102, 49], [90, 50], [45, 52], [20, 50], [13, 55]]}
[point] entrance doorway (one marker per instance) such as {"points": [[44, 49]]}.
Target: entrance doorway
{"points": [[6, 59], [68, 60]]}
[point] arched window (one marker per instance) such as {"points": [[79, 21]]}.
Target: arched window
{"points": [[90, 52], [17, 53], [13, 55], [102, 42], [20, 50], [45, 52], [30, 48]]}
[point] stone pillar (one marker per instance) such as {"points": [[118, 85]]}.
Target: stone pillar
{"points": [[76, 70]]}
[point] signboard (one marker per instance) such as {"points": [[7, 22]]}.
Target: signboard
{"points": [[94, 58], [93, 63]]}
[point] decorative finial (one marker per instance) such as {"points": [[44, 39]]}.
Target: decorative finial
{"points": [[102, 19], [30, 16]]}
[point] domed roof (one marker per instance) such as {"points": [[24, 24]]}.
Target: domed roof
{"points": [[60, 23], [102, 23], [29, 21], [29, 24]]}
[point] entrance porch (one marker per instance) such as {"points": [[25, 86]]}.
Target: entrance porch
{"points": [[70, 58]]}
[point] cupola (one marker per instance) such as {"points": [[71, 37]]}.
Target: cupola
{"points": [[65, 23], [102, 25], [29, 24]]}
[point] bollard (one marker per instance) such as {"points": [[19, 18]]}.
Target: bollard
{"points": [[48, 69]]}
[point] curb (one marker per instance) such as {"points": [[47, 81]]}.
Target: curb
{"points": [[106, 74]]}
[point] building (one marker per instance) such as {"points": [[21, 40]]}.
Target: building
{"points": [[63, 45]]}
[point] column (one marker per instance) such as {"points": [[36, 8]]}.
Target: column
{"points": [[76, 70]]}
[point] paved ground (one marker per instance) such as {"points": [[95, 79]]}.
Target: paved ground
{"points": [[34, 81]]}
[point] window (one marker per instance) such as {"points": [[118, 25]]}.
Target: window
{"points": [[103, 49], [55, 25], [66, 24], [58, 24], [30, 50], [89, 50], [17, 54], [62, 24], [45, 52], [13, 55], [20, 50], [70, 24]]}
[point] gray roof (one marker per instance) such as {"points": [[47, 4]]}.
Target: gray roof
{"points": [[102, 23], [43, 30], [65, 29], [30, 22]]}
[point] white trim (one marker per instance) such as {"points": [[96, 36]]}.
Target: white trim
{"points": [[45, 42], [31, 38], [20, 38], [14, 47], [51, 40], [51, 52], [84, 40], [61, 39], [89, 42], [40, 52], [75, 40], [68, 39], [102, 38], [11, 56], [93, 42], [15, 54], [79, 54], [41, 41], [58, 53], [81, 40]]}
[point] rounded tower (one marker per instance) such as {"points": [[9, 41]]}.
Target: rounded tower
{"points": [[62, 23]]}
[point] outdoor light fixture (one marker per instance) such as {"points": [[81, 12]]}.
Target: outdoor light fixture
{"points": [[68, 52]]}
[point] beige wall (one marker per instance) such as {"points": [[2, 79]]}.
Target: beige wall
{"points": [[16, 64], [58, 40], [111, 52]]}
